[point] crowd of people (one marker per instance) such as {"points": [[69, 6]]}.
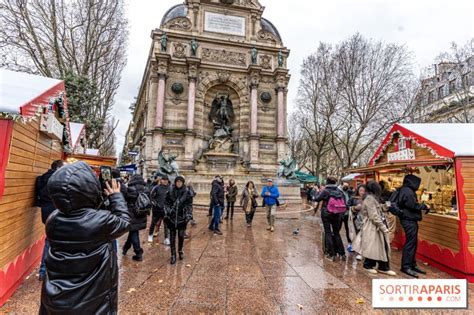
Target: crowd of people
{"points": [[85, 216], [369, 217]]}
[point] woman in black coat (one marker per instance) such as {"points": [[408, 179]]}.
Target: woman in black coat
{"points": [[82, 272], [178, 212], [136, 186]]}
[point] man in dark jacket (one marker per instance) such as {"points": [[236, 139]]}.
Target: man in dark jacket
{"points": [[331, 222], [158, 196], [217, 203], [412, 213], [136, 186], [44, 201], [178, 212], [82, 271]]}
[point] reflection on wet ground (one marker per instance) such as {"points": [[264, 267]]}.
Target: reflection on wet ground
{"points": [[247, 270]]}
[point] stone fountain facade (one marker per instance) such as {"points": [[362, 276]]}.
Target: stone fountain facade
{"points": [[206, 51]]}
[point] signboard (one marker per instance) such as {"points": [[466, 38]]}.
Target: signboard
{"points": [[50, 125], [226, 24], [402, 155]]}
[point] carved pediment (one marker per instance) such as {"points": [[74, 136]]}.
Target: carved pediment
{"points": [[264, 35], [224, 56], [179, 23]]}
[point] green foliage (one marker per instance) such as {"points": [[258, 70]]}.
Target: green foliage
{"points": [[83, 97]]}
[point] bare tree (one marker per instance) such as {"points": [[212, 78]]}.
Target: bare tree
{"points": [[107, 140], [350, 95], [56, 37]]}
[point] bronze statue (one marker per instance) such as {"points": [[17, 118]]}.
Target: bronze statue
{"points": [[222, 116], [168, 165], [194, 47], [254, 54], [287, 169], [280, 59], [164, 42]]}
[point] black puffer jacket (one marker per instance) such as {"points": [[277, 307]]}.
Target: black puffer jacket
{"points": [[178, 207], [217, 193], [158, 196], [407, 200], [136, 186], [82, 272], [42, 195]]}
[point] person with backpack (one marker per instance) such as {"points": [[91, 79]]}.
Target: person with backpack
{"points": [[157, 198], [404, 204], [217, 203], [270, 196], [178, 212], [332, 211], [135, 195], [43, 200], [82, 272], [372, 240]]}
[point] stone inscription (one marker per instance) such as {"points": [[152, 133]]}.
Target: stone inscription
{"points": [[226, 24]]}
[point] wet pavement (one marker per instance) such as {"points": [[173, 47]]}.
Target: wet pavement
{"points": [[245, 271]]}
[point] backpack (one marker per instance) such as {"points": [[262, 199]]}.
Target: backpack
{"points": [[142, 204], [394, 207], [336, 205]]}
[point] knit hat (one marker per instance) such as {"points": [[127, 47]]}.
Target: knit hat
{"points": [[180, 178]]}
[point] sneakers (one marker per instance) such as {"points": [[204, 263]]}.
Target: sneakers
{"points": [[372, 271], [269, 228], [137, 257], [349, 248], [217, 232], [167, 242], [150, 238], [272, 229], [359, 257], [249, 225], [388, 272]]}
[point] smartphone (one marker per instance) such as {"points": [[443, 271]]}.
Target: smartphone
{"points": [[105, 173]]}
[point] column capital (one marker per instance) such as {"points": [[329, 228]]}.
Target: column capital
{"points": [[193, 68], [161, 62]]}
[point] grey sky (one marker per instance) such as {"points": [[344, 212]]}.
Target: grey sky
{"points": [[425, 26]]}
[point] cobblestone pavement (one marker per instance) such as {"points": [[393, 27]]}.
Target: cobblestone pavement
{"points": [[245, 271]]}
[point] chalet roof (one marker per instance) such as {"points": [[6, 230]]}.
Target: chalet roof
{"points": [[18, 89], [76, 130]]}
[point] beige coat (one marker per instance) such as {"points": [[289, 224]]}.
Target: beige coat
{"points": [[372, 240]]}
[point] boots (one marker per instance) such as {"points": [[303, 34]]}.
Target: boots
{"points": [[173, 259], [138, 255], [181, 255]]}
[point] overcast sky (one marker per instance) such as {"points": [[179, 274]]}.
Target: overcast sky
{"points": [[426, 27]]}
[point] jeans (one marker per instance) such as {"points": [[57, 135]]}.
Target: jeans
{"points": [[155, 222], [230, 208], [249, 216], [270, 216], [332, 225], [345, 219], [411, 244], [216, 217], [42, 270], [133, 240]]}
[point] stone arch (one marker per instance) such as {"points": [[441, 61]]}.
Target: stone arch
{"points": [[214, 79]]}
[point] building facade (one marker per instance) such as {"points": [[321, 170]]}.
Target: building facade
{"points": [[214, 92], [448, 96]]}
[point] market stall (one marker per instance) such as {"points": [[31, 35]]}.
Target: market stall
{"points": [[33, 133], [443, 156]]}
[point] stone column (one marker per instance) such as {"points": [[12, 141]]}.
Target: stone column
{"points": [[191, 102], [160, 103], [281, 113], [253, 109]]}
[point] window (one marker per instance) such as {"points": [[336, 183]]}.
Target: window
{"points": [[441, 92], [431, 96], [452, 86], [402, 144]]}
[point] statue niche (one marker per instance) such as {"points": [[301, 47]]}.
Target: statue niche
{"points": [[221, 116]]}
